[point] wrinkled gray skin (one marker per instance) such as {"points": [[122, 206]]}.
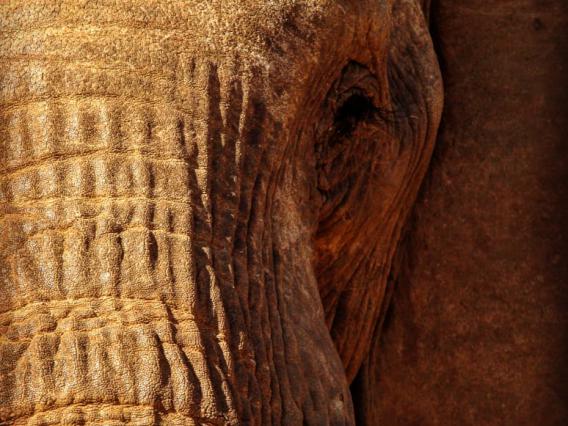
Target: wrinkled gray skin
{"points": [[181, 181]]}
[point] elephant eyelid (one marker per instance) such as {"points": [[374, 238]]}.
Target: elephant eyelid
{"points": [[360, 107]]}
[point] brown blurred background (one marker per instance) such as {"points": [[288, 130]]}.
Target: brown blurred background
{"points": [[478, 330]]}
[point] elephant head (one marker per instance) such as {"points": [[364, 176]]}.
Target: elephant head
{"points": [[200, 202]]}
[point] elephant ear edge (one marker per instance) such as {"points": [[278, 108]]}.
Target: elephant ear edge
{"points": [[411, 54]]}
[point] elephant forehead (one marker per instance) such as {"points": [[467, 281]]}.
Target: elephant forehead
{"points": [[214, 26], [49, 42]]}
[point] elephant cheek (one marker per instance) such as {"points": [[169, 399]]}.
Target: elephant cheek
{"points": [[371, 157]]}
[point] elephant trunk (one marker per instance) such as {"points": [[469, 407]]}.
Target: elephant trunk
{"points": [[117, 274]]}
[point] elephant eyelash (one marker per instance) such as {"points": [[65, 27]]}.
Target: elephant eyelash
{"points": [[352, 98], [356, 108], [360, 107]]}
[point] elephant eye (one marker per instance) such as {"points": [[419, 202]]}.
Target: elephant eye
{"points": [[351, 142], [356, 108], [345, 149]]}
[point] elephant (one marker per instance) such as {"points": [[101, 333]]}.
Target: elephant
{"points": [[186, 196], [205, 209]]}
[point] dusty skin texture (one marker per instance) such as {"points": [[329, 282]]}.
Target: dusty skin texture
{"points": [[478, 331], [179, 179], [204, 212]]}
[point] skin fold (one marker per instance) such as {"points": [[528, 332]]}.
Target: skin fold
{"points": [[200, 203]]}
